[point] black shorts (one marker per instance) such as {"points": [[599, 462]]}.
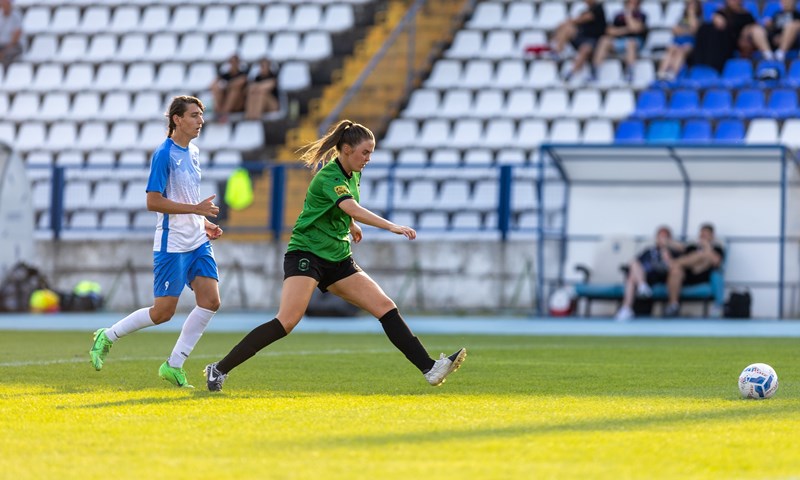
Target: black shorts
{"points": [[656, 277], [581, 39], [298, 263], [692, 278]]}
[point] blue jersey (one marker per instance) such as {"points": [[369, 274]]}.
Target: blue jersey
{"points": [[175, 174]]}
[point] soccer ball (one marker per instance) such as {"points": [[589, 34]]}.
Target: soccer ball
{"points": [[758, 380]]}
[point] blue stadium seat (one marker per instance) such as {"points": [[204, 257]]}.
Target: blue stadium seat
{"points": [[717, 103], [651, 103], [737, 72], [683, 104], [696, 131], [783, 103], [709, 8], [629, 131], [700, 76], [750, 103], [792, 79], [729, 131], [660, 131], [776, 70], [752, 7], [770, 9]]}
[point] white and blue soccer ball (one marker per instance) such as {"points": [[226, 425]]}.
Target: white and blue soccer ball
{"points": [[758, 381]]}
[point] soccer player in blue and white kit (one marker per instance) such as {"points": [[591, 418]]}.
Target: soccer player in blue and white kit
{"points": [[182, 253]]}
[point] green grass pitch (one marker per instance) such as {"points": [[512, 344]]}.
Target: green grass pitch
{"points": [[350, 406]]}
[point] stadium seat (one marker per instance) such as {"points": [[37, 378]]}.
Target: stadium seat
{"points": [[790, 133], [412, 156], [338, 18], [783, 103], [499, 133], [48, 77], [453, 196], [523, 196], [466, 221], [36, 20], [456, 103], [115, 220], [553, 104], [247, 18], [216, 18], [92, 135], [629, 131], [79, 77], [598, 131], [42, 48], [315, 46], [140, 76], [770, 8], [585, 104], [77, 194], [729, 131], [294, 76], [222, 46], [18, 77], [284, 46], [106, 193], [477, 74], [717, 103], [55, 106], [487, 16], [700, 76], [644, 73], [520, 104], [770, 72], [543, 74], [95, 19], [155, 18], [508, 156], [401, 133], [610, 74], [31, 136], [565, 130], [85, 106], [185, 19], [696, 131], [84, 221], [500, 44], [476, 157], [750, 103], [247, 136], [519, 16], [61, 136], [254, 46], [488, 104], [132, 48], [651, 104], [762, 131], [467, 133], [65, 20], [124, 19], [737, 72], [423, 103], [193, 47], [683, 104], [466, 44], [72, 48], [124, 135], [114, 106], [663, 131], [531, 133], [444, 157], [551, 14], [792, 79], [170, 76], [655, 15], [101, 48], [618, 104], [100, 158], [276, 18], [163, 47], [24, 107]]}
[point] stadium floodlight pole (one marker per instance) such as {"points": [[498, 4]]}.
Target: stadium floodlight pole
{"points": [[407, 19]]}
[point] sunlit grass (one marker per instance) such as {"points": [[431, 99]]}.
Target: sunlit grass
{"points": [[350, 406]]}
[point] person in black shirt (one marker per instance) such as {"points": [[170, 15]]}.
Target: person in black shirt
{"points": [[228, 88], [650, 267], [626, 34], [262, 92], [783, 29], [743, 30], [582, 32], [693, 267]]}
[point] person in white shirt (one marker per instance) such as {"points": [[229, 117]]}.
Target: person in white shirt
{"points": [[182, 253]]}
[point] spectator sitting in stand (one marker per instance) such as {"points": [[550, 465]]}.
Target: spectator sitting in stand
{"points": [[10, 33], [582, 32], [228, 89], [783, 29], [746, 34], [626, 34], [262, 92], [682, 42], [650, 267]]}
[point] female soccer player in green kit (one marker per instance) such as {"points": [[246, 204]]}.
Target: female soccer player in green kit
{"points": [[319, 256]]}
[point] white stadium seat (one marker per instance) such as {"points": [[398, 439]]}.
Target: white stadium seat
{"points": [[48, 77], [338, 18], [36, 20], [61, 136], [284, 46], [64, 20], [85, 106], [315, 46], [19, 77], [124, 19], [466, 44], [276, 17], [246, 18], [422, 104], [487, 16], [24, 107], [92, 135], [500, 44], [80, 76], [95, 19], [185, 18], [521, 103], [294, 76], [762, 131], [509, 74], [102, 48], [155, 18], [598, 131], [132, 48], [445, 74], [43, 48], [456, 103], [519, 16], [306, 18], [163, 47], [55, 106], [488, 103], [223, 45], [216, 18], [254, 46], [115, 105], [193, 47]]}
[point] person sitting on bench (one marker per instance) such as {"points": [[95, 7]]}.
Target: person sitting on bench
{"points": [[650, 267], [693, 267]]}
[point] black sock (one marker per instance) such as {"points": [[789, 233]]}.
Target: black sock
{"points": [[252, 343], [405, 341]]}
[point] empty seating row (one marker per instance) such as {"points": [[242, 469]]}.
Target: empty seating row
{"points": [[474, 74], [131, 158], [718, 103], [168, 46], [495, 134], [64, 135], [520, 103], [174, 3], [740, 72], [757, 131], [145, 76], [467, 222], [188, 18], [548, 15]]}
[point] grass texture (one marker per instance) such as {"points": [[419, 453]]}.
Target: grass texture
{"points": [[318, 406]]}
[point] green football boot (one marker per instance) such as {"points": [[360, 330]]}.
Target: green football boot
{"points": [[100, 348], [175, 376]]}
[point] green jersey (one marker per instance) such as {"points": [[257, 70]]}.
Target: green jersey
{"points": [[322, 227]]}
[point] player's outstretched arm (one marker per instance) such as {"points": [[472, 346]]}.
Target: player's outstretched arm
{"points": [[362, 215]]}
